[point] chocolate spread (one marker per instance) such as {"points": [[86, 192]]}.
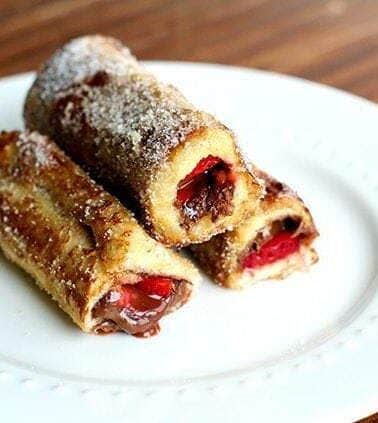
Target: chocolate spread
{"points": [[141, 317], [212, 194]]}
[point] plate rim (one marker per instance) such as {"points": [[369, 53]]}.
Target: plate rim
{"points": [[370, 321]]}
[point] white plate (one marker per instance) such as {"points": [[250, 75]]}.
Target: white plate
{"points": [[301, 350]]}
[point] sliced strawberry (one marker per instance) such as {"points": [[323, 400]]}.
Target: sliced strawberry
{"points": [[134, 298], [203, 165], [184, 194], [125, 298], [210, 175], [135, 308], [280, 246], [156, 285], [187, 187]]}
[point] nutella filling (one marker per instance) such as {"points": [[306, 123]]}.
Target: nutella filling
{"points": [[208, 189], [282, 239], [137, 308]]}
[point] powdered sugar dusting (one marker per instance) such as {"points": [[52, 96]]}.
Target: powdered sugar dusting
{"points": [[128, 119], [35, 147], [145, 118], [66, 231], [81, 58]]}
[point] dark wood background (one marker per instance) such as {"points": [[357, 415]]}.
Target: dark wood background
{"points": [[331, 41]]}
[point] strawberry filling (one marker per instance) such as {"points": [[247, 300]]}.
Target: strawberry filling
{"points": [[279, 247], [156, 285], [208, 188], [136, 308]]}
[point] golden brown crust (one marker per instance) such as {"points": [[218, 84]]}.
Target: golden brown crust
{"points": [[122, 116], [71, 235], [123, 125], [220, 256]]}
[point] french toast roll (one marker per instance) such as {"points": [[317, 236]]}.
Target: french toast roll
{"points": [[274, 242], [143, 140], [81, 245]]}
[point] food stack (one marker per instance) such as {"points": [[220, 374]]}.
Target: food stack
{"points": [[178, 170]]}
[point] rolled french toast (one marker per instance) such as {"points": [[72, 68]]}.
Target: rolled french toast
{"points": [[274, 242], [177, 167], [81, 245]]}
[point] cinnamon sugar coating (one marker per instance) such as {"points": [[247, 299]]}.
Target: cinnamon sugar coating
{"points": [[29, 178], [121, 126], [73, 237], [124, 126]]}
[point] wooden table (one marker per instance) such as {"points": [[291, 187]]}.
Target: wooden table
{"points": [[331, 41]]}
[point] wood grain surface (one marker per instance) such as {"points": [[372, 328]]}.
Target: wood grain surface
{"points": [[331, 41]]}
